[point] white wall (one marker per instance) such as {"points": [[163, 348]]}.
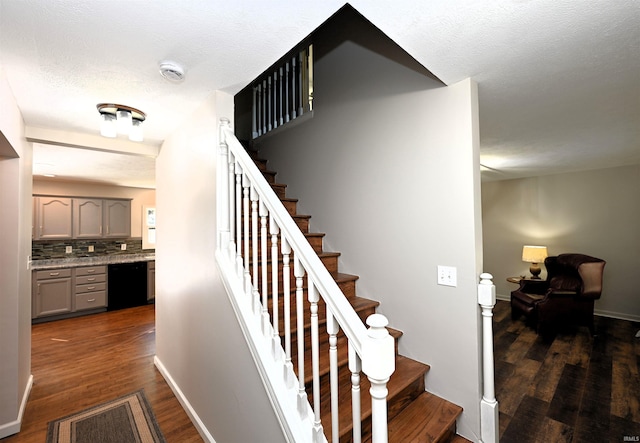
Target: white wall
{"points": [[388, 167], [139, 196], [592, 212], [198, 340], [15, 281]]}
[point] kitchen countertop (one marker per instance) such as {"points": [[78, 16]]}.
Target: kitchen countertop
{"points": [[75, 262]]}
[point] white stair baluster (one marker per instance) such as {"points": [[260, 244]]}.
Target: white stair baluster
{"points": [[265, 285], [313, 298], [298, 272], [332, 329], [355, 367], [254, 112], [239, 264], [254, 249], [275, 99], [259, 110], [232, 207], [300, 85], [274, 230], [286, 93], [268, 114], [286, 290], [280, 93], [293, 88], [247, 216], [264, 106]]}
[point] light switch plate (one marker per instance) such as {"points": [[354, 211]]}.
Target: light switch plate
{"points": [[90, 248], [123, 247], [447, 276], [68, 249]]}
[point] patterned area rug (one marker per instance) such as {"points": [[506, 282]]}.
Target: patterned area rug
{"points": [[127, 419]]}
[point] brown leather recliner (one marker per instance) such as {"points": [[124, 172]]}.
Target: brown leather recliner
{"points": [[567, 296]]}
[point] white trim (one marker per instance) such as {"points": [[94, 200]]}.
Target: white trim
{"points": [[14, 427], [283, 398], [195, 419], [599, 312]]}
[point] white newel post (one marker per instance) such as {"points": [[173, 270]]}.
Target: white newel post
{"points": [[489, 404], [222, 195], [378, 362]]}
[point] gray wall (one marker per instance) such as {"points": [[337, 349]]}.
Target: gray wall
{"points": [[198, 341], [15, 277], [593, 212], [388, 167]]}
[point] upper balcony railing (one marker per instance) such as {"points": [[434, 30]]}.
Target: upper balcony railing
{"points": [[283, 93]]}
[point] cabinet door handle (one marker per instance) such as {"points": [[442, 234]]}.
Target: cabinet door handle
{"points": [[91, 279], [91, 300], [91, 288], [53, 274], [90, 271]]}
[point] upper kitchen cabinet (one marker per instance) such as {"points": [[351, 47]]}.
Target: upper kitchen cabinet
{"points": [[117, 218], [83, 218], [53, 218], [87, 218]]}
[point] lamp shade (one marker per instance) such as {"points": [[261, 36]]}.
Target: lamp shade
{"points": [[534, 254]]}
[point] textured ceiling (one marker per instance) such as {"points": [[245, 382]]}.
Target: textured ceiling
{"points": [[559, 85]]}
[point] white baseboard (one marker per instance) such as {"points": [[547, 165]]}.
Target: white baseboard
{"points": [[600, 312], [13, 427], [195, 419]]}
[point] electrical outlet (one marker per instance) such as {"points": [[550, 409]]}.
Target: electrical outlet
{"points": [[68, 249], [90, 248], [123, 247], [447, 276]]}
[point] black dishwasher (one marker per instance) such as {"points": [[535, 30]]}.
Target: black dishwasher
{"points": [[127, 285]]}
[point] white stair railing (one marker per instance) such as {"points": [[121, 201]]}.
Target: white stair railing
{"points": [[246, 200], [489, 431], [283, 93]]}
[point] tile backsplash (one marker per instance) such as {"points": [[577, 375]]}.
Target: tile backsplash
{"points": [[50, 249]]}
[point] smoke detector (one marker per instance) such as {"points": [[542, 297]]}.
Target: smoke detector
{"points": [[172, 71]]}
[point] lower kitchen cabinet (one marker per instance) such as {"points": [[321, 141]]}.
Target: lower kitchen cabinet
{"points": [[90, 287], [52, 292], [62, 292]]}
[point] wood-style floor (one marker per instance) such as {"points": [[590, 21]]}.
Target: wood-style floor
{"points": [[572, 388], [77, 363]]}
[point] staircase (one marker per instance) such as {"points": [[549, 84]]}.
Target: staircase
{"points": [[414, 415]]}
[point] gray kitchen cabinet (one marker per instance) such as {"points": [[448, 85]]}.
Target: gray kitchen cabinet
{"points": [[53, 218], [151, 280], [90, 287], [51, 292], [117, 218], [87, 218]]}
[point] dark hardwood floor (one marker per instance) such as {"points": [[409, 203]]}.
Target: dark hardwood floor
{"points": [[571, 388], [80, 362]]}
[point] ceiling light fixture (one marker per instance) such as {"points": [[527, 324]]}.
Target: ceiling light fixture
{"points": [[121, 119]]}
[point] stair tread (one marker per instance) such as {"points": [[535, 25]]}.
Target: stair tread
{"points": [[428, 418], [407, 372]]}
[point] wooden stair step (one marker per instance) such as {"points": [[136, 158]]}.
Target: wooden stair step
{"points": [[428, 418], [290, 204], [280, 189], [406, 384]]}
